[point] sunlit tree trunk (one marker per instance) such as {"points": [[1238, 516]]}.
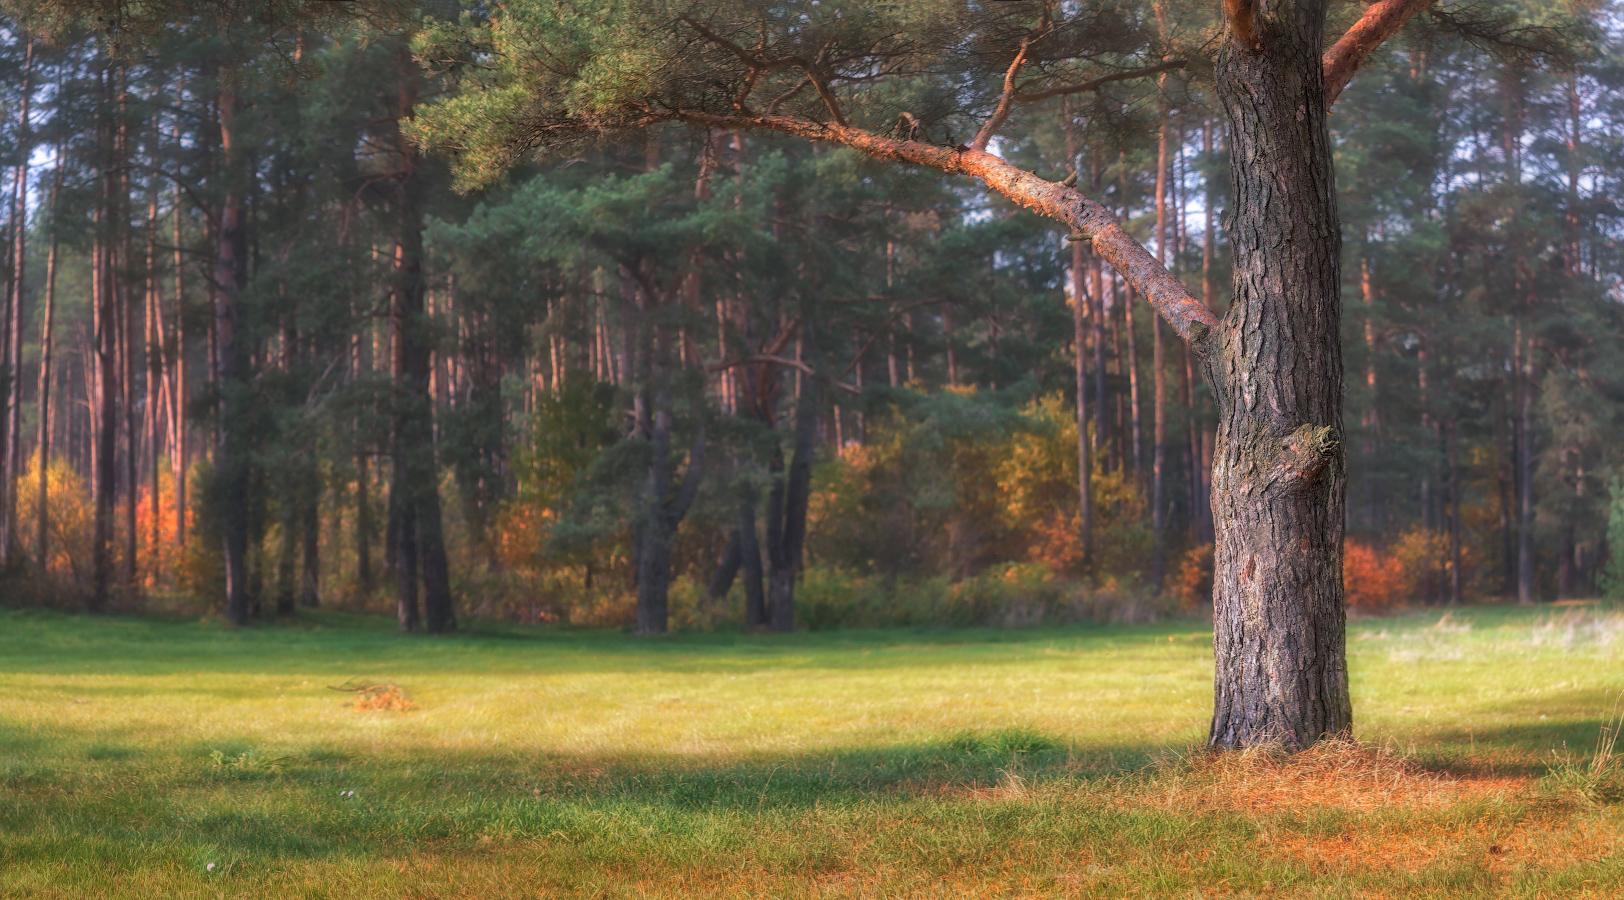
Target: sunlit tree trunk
{"points": [[42, 539], [1276, 368], [1080, 305], [14, 419]]}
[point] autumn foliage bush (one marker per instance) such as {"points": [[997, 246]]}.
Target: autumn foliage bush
{"points": [[1192, 585], [1372, 581]]}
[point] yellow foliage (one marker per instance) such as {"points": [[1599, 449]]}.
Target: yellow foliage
{"points": [[70, 521], [1037, 479]]}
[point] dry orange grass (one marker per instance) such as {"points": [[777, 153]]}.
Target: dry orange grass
{"points": [[1333, 774]]}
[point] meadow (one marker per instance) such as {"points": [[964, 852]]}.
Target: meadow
{"points": [[176, 759]]}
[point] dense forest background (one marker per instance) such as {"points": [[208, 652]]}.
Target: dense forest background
{"points": [[708, 379]]}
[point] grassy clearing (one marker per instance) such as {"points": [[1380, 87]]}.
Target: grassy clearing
{"points": [[1053, 762]]}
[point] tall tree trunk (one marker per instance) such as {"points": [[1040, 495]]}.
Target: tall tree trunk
{"points": [[1131, 336], [310, 532], [104, 346], [1080, 305], [42, 539], [416, 491], [1454, 517], [1096, 291], [1158, 358], [127, 339], [1525, 472], [1370, 417], [11, 546], [231, 364], [155, 372], [787, 504], [663, 507], [180, 459], [1275, 364]]}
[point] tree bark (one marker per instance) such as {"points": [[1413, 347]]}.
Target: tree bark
{"points": [[1525, 473], [42, 540], [787, 504], [180, 454], [1080, 305], [231, 365], [1454, 517], [14, 419], [310, 532], [103, 350], [1158, 358], [420, 541], [1278, 472]]}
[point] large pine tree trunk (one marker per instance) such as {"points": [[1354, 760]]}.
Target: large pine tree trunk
{"points": [[1276, 367]]}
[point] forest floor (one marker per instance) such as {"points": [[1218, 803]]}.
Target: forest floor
{"points": [[174, 758]]}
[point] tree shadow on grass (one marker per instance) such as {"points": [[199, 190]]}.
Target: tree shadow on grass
{"points": [[251, 803], [41, 642]]}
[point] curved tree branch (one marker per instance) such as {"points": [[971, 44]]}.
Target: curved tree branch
{"points": [[1190, 318], [1006, 100], [1381, 21]]}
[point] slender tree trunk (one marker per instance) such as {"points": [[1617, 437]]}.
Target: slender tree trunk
{"points": [[310, 532], [1158, 361], [363, 526], [155, 372], [231, 364], [42, 540], [180, 452], [787, 504], [127, 340], [104, 346], [286, 556], [663, 512], [1275, 364], [1131, 336], [14, 421], [416, 491], [1454, 518], [1370, 417], [727, 569], [1525, 474], [1096, 291], [1079, 320]]}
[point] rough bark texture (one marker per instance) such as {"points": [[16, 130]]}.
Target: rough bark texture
{"points": [[1276, 368]]}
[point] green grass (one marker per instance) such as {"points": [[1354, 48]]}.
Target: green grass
{"points": [[1051, 762]]}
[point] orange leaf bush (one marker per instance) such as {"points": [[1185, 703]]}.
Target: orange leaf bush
{"points": [[1193, 584], [1371, 581]]}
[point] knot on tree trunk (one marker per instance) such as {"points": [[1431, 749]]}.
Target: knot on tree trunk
{"points": [[1301, 456]]}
